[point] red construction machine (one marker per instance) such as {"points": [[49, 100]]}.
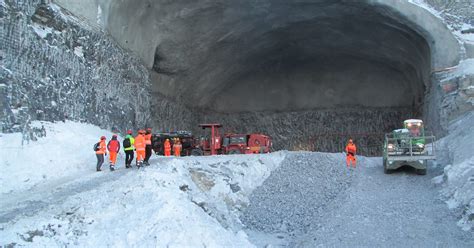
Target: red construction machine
{"points": [[230, 143]]}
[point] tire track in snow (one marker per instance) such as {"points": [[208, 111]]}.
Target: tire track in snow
{"points": [[33, 201]]}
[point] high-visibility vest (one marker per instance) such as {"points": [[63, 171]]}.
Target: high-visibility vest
{"points": [[351, 148], [167, 146], [148, 139], [140, 143], [132, 143]]}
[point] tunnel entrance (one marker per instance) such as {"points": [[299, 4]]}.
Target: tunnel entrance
{"points": [[309, 74]]}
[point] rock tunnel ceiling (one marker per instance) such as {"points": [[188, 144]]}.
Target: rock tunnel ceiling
{"points": [[243, 62], [295, 56]]}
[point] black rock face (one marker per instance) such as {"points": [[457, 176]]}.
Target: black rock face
{"points": [[55, 67]]}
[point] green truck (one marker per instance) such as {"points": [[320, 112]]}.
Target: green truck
{"points": [[409, 146]]}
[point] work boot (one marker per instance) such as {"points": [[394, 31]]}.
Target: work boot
{"points": [[112, 167]]}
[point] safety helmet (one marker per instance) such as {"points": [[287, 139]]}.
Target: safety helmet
{"points": [[148, 129], [350, 140], [141, 131], [129, 131], [102, 138], [114, 136]]}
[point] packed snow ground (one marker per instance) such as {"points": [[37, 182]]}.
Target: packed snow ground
{"points": [[52, 196]]}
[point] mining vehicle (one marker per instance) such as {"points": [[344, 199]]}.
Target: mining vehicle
{"points": [[246, 143], [230, 143], [409, 146], [186, 138]]}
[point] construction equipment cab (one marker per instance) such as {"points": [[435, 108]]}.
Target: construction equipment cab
{"points": [[246, 143], [209, 145], [409, 146]]}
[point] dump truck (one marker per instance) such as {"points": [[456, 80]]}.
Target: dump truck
{"points": [[230, 143], [409, 146]]}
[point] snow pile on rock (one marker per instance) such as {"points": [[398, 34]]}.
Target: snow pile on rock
{"points": [[297, 193], [177, 202], [458, 178]]}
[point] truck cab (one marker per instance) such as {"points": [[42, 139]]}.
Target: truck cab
{"points": [[235, 144], [416, 131], [246, 143]]}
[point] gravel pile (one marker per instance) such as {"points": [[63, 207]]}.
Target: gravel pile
{"points": [[297, 193]]}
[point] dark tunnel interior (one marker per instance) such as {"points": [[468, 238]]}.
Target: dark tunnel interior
{"points": [[310, 75]]}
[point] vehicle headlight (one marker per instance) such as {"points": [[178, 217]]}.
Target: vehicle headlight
{"points": [[390, 147], [420, 145]]}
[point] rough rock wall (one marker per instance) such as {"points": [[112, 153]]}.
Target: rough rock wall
{"points": [[452, 90], [168, 115], [55, 67], [319, 130]]}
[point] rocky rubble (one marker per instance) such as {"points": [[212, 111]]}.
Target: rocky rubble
{"points": [[297, 193]]}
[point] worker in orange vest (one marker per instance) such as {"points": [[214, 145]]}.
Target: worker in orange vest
{"points": [[167, 148], [100, 150], [114, 147], [350, 154], [177, 148], [140, 148], [148, 146]]}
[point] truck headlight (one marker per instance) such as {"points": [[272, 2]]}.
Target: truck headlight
{"points": [[390, 147], [420, 145]]}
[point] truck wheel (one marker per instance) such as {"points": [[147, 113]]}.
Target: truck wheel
{"points": [[197, 152], [421, 171], [385, 169], [235, 151]]}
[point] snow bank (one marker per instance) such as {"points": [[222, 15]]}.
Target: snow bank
{"points": [[464, 68], [175, 202], [67, 150], [42, 31], [458, 178], [426, 6], [142, 209]]}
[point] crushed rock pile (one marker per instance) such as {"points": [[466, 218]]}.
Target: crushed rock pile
{"points": [[297, 194]]}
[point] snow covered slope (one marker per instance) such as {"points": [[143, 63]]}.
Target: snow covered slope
{"points": [[52, 196], [65, 152]]}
